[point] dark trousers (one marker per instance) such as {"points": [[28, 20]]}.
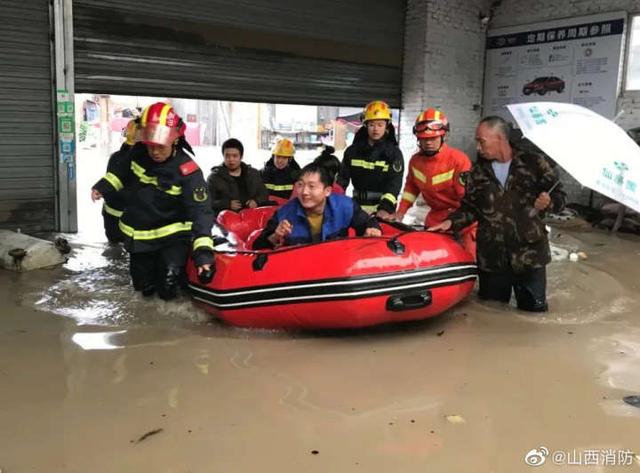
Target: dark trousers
{"points": [[111, 228], [151, 268], [529, 288]]}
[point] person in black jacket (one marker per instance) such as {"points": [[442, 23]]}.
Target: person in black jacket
{"points": [[233, 184], [167, 210], [374, 163], [281, 171], [113, 206]]}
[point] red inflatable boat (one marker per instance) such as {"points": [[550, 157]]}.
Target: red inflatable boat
{"points": [[351, 282]]}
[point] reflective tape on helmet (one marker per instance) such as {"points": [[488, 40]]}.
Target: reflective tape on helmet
{"points": [[283, 187], [113, 180], [361, 163], [112, 211], [418, 175], [203, 242], [440, 178], [155, 233], [390, 197], [140, 174], [409, 197], [163, 114]]}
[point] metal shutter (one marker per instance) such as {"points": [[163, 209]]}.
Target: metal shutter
{"points": [[344, 52], [27, 183]]}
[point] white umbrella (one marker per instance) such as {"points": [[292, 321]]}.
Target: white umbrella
{"points": [[593, 149]]}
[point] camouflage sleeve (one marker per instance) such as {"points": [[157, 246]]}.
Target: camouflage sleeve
{"points": [[468, 211], [548, 178]]}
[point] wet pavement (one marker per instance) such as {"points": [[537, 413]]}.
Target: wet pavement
{"points": [[97, 379]]}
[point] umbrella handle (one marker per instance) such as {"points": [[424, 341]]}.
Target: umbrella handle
{"points": [[533, 212]]}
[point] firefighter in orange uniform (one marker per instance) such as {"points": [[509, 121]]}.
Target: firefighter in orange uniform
{"points": [[437, 172]]}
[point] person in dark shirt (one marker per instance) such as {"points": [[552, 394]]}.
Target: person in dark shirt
{"points": [[233, 184]]}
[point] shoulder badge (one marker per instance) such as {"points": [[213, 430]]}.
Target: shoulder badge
{"points": [[462, 178], [188, 168], [397, 165], [200, 194]]}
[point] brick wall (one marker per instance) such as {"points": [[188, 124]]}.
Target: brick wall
{"points": [[443, 67]]}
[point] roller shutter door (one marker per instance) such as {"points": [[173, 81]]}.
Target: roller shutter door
{"points": [[308, 51], [27, 182]]}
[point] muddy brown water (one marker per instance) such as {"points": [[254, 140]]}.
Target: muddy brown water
{"points": [[96, 379]]}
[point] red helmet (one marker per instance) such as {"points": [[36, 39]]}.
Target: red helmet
{"points": [[430, 124], [161, 125]]}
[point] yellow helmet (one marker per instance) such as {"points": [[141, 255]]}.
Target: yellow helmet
{"points": [[284, 147], [132, 132], [377, 110]]}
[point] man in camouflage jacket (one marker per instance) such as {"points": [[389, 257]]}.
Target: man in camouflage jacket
{"points": [[502, 188]]}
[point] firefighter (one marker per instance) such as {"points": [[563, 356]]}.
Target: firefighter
{"points": [[113, 206], [374, 163], [281, 171], [167, 211], [437, 172]]}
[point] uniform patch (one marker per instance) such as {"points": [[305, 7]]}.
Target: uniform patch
{"points": [[397, 166], [462, 178], [188, 168], [200, 194]]}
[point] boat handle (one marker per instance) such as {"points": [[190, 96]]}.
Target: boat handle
{"points": [[409, 301]]}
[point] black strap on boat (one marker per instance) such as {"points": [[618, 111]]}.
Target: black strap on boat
{"points": [[396, 246], [259, 261]]}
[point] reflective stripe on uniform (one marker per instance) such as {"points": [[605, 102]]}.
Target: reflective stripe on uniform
{"points": [[155, 233], [390, 197], [440, 178], [203, 242], [369, 208], [139, 172], [283, 187], [409, 197], [113, 180], [361, 163], [112, 211], [418, 175]]}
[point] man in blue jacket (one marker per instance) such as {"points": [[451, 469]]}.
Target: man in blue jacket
{"points": [[316, 214]]}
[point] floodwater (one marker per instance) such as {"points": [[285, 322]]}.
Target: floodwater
{"points": [[96, 379]]}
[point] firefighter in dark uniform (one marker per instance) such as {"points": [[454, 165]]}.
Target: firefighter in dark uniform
{"points": [[281, 172], [113, 206], [374, 163], [507, 193], [167, 210]]}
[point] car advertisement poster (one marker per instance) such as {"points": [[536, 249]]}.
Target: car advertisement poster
{"points": [[574, 60]]}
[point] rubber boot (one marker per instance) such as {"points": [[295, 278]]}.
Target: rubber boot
{"points": [[169, 288], [148, 289]]}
